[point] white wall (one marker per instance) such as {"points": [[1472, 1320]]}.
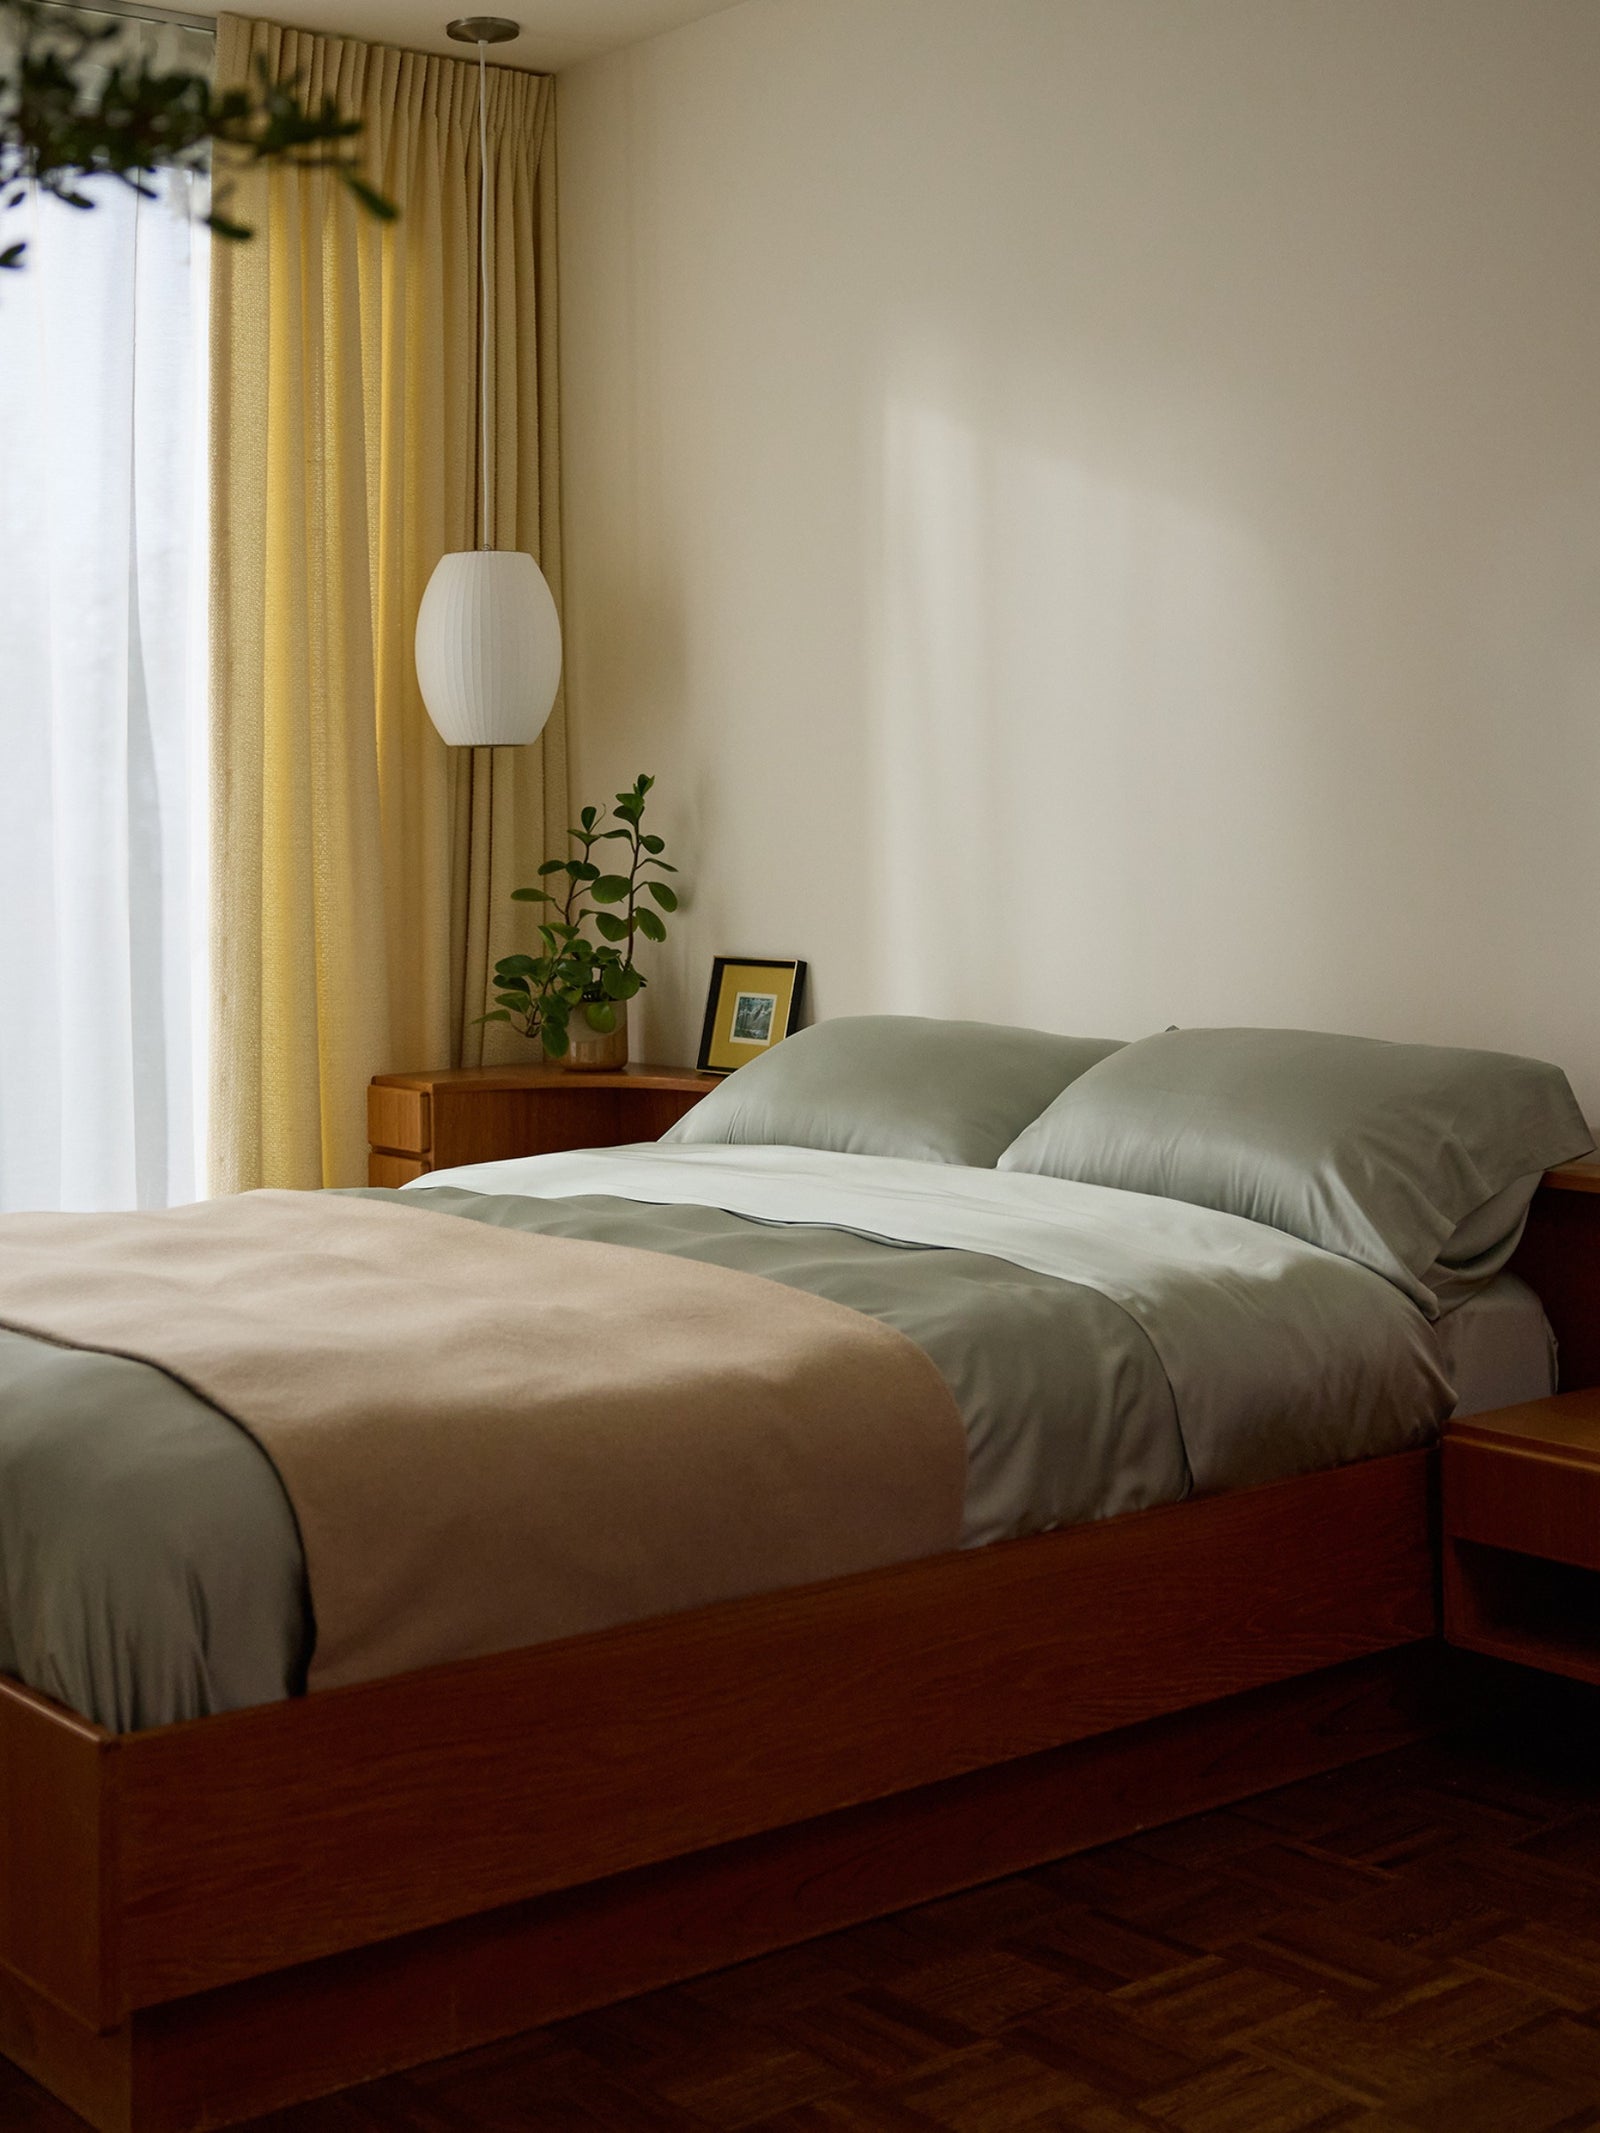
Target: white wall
{"points": [[1091, 508]]}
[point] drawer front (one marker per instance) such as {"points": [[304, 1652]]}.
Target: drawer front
{"points": [[393, 1170], [400, 1119], [1533, 1502]]}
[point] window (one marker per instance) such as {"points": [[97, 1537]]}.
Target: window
{"points": [[103, 697]]}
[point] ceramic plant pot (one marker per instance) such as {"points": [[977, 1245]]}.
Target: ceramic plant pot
{"points": [[591, 1051]]}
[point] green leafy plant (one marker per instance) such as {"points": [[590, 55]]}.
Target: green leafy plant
{"points": [[73, 109], [540, 994]]}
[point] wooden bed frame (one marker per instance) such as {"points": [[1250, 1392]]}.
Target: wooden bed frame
{"points": [[207, 1921]]}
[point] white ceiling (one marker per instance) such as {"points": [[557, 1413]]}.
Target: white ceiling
{"points": [[555, 33]]}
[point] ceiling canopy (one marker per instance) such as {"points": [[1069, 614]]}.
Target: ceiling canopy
{"points": [[555, 33]]}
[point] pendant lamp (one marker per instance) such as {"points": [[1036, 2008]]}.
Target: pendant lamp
{"points": [[488, 637]]}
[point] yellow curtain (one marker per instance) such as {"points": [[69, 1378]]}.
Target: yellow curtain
{"points": [[361, 870]]}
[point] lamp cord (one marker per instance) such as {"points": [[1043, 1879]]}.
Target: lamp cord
{"points": [[487, 538]]}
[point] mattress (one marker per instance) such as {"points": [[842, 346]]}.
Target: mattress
{"points": [[1108, 1352], [1497, 1349]]}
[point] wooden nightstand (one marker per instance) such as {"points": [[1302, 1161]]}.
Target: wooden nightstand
{"points": [[1522, 1534], [422, 1122]]}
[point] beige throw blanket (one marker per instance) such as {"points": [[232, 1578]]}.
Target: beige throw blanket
{"points": [[490, 1438]]}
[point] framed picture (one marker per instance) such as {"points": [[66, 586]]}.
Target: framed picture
{"points": [[753, 1004]]}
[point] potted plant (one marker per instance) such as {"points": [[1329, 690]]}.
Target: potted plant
{"points": [[573, 999]]}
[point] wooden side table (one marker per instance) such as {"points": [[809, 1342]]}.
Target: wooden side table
{"points": [[417, 1123], [1521, 1493]]}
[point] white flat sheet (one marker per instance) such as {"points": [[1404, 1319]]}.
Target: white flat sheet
{"points": [[1262, 1337], [1111, 1240]]}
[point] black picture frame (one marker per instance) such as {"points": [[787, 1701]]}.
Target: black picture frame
{"points": [[716, 1047]]}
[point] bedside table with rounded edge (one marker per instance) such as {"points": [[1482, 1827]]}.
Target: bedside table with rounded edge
{"points": [[1521, 1485], [1521, 1490], [417, 1123]]}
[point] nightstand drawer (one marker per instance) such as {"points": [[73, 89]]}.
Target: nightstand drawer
{"points": [[394, 1170], [399, 1119], [418, 1123], [1531, 1501]]}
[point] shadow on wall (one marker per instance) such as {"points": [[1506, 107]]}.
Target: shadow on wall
{"points": [[1073, 697], [1213, 757]]}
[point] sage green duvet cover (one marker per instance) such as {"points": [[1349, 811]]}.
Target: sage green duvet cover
{"points": [[150, 1569]]}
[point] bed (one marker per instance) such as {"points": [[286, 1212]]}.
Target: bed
{"points": [[411, 1865]]}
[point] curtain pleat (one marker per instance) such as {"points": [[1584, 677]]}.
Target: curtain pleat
{"points": [[362, 870]]}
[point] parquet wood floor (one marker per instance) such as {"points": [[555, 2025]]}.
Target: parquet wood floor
{"points": [[1409, 1946]]}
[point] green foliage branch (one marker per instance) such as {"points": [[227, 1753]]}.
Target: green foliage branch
{"points": [[540, 994], [73, 109]]}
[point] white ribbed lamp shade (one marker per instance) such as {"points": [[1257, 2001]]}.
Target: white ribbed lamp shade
{"points": [[488, 649]]}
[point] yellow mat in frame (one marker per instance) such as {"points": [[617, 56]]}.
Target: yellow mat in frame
{"points": [[751, 1006]]}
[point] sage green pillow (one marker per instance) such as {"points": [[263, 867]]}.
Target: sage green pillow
{"points": [[939, 1092], [1416, 1160]]}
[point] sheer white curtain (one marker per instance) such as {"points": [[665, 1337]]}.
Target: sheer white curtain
{"points": [[102, 698]]}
